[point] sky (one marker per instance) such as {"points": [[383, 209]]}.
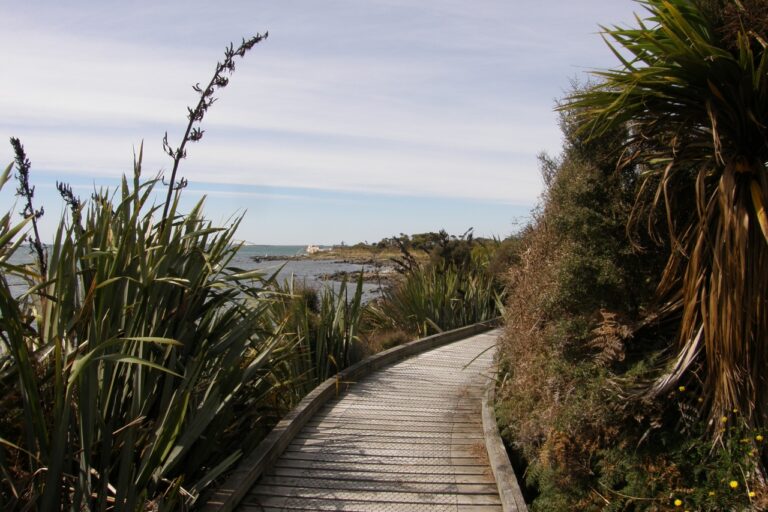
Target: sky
{"points": [[354, 121]]}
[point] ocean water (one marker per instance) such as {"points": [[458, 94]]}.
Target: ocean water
{"points": [[310, 273], [272, 250]]}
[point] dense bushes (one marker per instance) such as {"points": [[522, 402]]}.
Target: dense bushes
{"points": [[322, 330], [696, 93], [635, 380], [576, 274], [584, 337], [130, 356], [455, 288]]}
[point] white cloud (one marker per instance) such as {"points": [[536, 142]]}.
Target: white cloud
{"points": [[446, 98]]}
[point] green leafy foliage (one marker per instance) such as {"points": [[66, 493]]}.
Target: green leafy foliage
{"points": [[599, 304], [582, 333], [693, 83], [321, 328], [454, 289], [142, 366], [126, 356]]}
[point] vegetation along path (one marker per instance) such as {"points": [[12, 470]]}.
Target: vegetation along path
{"points": [[408, 438]]}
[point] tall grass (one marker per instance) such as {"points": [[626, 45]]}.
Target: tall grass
{"points": [[143, 364], [321, 327], [128, 353], [440, 296]]}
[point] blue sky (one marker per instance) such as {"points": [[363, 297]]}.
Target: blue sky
{"points": [[355, 120]]}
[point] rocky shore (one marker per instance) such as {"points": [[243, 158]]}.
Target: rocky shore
{"points": [[384, 275]]}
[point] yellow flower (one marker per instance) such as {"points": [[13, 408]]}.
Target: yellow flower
{"points": [[724, 419], [751, 494], [734, 484], [711, 493], [735, 411], [758, 438], [678, 502], [681, 388]]}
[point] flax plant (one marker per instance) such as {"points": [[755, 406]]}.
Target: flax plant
{"points": [[693, 91], [334, 341], [132, 363], [147, 338], [321, 328], [440, 296], [193, 132]]}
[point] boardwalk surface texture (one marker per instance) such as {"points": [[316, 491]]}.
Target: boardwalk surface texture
{"points": [[406, 438]]}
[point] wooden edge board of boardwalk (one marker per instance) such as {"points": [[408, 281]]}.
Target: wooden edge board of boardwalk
{"points": [[408, 437]]}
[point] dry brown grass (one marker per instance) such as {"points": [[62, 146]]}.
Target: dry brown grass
{"points": [[376, 341], [530, 398]]}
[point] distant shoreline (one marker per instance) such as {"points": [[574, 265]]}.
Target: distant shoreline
{"points": [[379, 263], [355, 255]]}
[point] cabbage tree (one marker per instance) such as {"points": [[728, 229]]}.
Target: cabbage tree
{"points": [[692, 88]]}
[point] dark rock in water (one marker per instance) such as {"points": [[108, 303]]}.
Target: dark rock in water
{"points": [[386, 275], [259, 259]]}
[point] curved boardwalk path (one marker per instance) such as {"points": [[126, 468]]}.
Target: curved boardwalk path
{"points": [[408, 437]]}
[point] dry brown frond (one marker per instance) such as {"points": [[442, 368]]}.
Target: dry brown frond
{"points": [[610, 338], [724, 301]]}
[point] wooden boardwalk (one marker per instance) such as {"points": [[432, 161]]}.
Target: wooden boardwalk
{"points": [[408, 437]]}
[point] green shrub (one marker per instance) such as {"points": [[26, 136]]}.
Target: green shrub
{"points": [[612, 388], [439, 296], [585, 336], [693, 89], [576, 293], [129, 357], [324, 327], [383, 340]]}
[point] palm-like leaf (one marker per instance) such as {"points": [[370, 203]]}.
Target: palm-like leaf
{"points": [[695, 99], [441, 296], [127, 357]]}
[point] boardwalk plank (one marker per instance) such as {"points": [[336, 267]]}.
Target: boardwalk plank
{"points": [[371, 484], [466, 451], [407, 438], [272, 504], [392, 433], [356, 426], [389, 468], [261, 492], [379, 441], [381, 477]]}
